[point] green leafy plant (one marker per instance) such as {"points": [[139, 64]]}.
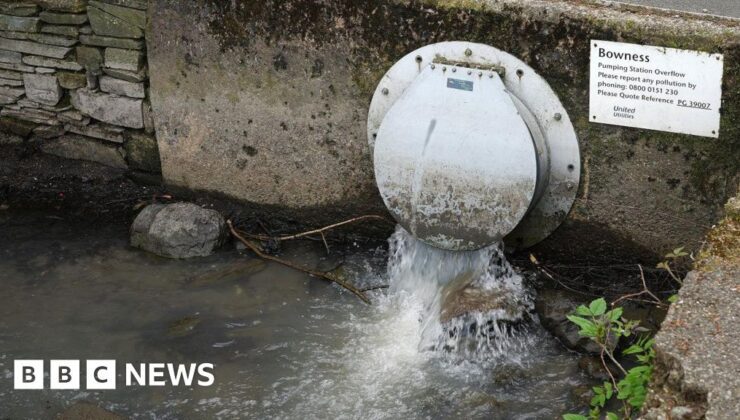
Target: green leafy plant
{"points": [[606, 328]]}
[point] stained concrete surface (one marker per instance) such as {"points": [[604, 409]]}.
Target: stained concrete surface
{"points": [[729, 8], [289, 129]]}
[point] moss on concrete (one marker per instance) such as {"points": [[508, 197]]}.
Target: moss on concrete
{"points": [[142, 152], [722, 247]]}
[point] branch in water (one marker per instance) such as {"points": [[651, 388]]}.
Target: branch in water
{"points": [[327, 276], [317, 231]]}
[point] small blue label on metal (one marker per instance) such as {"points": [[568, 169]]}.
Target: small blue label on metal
{"points": [[460, 84]]}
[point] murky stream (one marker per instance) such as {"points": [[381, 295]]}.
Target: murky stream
{"points": [[284, 345]]}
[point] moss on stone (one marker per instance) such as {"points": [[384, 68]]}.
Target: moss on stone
{"points": [[142, 152], [722, 247]]}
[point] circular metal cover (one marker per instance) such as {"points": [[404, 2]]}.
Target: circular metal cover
{"points": [[539, 107], [454, 161]]}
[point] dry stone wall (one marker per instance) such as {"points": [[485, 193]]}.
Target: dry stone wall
{"points": [[73, 79]]}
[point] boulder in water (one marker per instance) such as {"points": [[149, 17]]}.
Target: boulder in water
{"points": [[463, 296], [180, 230]]}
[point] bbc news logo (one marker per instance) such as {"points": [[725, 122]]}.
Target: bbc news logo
{"points": [[101, 374]]}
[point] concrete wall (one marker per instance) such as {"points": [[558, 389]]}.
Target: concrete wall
{"points": [[73, 80], [266, 102]]}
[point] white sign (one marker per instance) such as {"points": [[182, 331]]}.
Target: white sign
{"points": [[657, 88]]}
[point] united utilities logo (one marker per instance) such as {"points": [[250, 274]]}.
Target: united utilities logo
{"points": [[101, 374]]}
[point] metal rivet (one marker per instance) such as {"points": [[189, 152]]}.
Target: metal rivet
{"points": [[433, 66], [470, 72], [444, 68], [490, 76], [454, 69], [468, 52], [418, 59], [558, 116], [480, 74], [385, 91]]}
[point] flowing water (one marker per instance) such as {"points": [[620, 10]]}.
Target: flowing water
{"points": [[284, 345]]}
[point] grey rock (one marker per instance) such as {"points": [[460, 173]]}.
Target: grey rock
{"points": [[13, 75], [46, 132], [126, 75], [73, 116], [69, 80], [181, 230], [127, 14], [130, 60], [116, 110], [12, 92], [17, 67], [12, 57], [86, 30], [45, 70], [89, 57], [142, 152], [71, 31], [134, 4], [27, 103], [38, 116], [14, 35], [60, 107], [33, 60], [106, 24], [99, 131], [19, 9], [63, 18], [42, 88], [16, 126], [34, 48], [72, 146], [69, 6], [107, 41], [462, 297], [7, 99], [10, 82], [143, 222], [121, 87], [50, 39], [21, 24]]}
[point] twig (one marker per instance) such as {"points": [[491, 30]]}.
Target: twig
{"points": [[644, 291], [606, 368], [323, 238], [314, 273], [319, 231], [542, 269]]}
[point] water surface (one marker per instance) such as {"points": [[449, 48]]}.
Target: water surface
{"points": [[284, 345]]}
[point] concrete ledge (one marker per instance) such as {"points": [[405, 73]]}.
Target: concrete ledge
{"points": [[696, 374]]}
